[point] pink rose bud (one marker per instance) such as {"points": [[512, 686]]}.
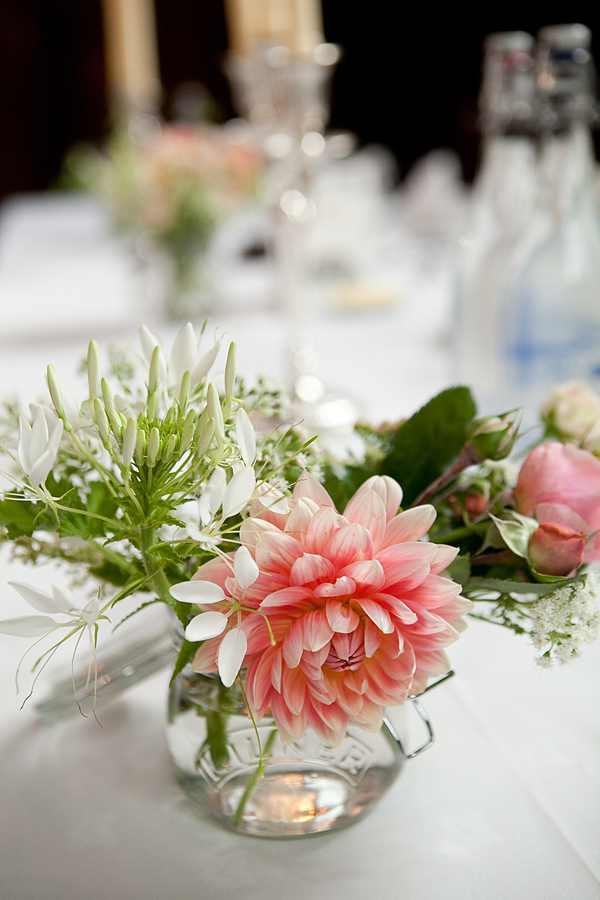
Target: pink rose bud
{"points": [[556, 549], [475, 504]]}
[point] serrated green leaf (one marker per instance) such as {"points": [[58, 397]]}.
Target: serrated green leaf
{"points": [[188, 649], [425, 445]]}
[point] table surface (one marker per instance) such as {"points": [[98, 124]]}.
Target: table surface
{"points": [[506, 804]]}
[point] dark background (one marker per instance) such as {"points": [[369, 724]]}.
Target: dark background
{"points": [[410, 84]]}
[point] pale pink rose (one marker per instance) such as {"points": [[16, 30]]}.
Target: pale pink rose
{"points": [[359, 614], [556, 549], [560, 484], [574, 410]]}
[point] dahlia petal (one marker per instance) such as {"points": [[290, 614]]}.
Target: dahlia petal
{"points": [[308, 486], [352, 542], [258, 681], [293, 644], [293, 689], [377, 614], [434, 591], [276, 669], [231, 655], [251, 530], [406, 576], [215, 570], [367, 574], [370, 716], [330, 722], [291, 727], [341, 618], [316, 657], [342, 587], [367, 508], [291, 596], [430, 623], [388, 489], [199, 592], [372, 638], [445, 555], [409, 525], [316, 630], [356, 681], [246, 570], [206, 625], [397, 607], [311, 568], [205, 660], [276, 551], [349, 701], [322, 527], [301, 516]]}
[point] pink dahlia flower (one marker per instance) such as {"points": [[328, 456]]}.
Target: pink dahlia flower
{"points": [[358, 613]]}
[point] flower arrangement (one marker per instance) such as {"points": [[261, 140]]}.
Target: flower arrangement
{"points": [[324, 590], [173, 184]]}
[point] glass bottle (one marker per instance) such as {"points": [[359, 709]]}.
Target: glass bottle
{"points": [[550, 322], [501, 205]]}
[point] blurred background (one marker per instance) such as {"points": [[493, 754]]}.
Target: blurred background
{"points": [[412, 87]]}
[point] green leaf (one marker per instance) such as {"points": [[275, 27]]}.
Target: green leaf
{"points": [[425, 445], [19, 517], [515, 587], [188, 649], [460, 569], [516, 534]]}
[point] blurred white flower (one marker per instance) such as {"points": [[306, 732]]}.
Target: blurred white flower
{"points": [[38, 445]]}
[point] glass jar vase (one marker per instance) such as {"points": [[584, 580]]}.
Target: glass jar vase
{"points": [[248, 780]]}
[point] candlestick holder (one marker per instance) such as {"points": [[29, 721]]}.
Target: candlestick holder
{"points": [[286, 100]]}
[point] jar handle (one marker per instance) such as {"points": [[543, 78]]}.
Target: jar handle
{"points": [[424, 718]]}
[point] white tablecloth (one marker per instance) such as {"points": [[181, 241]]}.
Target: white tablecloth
{"points": [[505, 805]]}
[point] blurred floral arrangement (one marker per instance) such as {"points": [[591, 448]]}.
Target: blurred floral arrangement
{"points": [[172, 184], [203, 499]]}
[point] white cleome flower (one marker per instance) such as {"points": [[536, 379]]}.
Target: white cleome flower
{"points": [[59, 602], [211, 624], [184, 357], [38, 445]]}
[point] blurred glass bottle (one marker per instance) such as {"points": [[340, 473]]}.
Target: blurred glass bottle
{"points": [[502, 202], [550, 316]]}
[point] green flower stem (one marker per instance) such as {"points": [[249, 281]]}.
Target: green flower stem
{"points": [[462, 532], [253, 780], [158, 579], [468, 456]]}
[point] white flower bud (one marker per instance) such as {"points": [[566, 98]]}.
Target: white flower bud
{"points": [[55, 391], [155, 370], [184, 391], [129, 441], [230, 368], [107, 395], [187, 432], [214, 410], [140, 447], [93, 370], [101, 419], [153, 446], [115, 423], [205, 438], [153, 406], [170, 448]]}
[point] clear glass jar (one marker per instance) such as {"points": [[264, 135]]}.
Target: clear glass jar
{"points": [[304, 788]]}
